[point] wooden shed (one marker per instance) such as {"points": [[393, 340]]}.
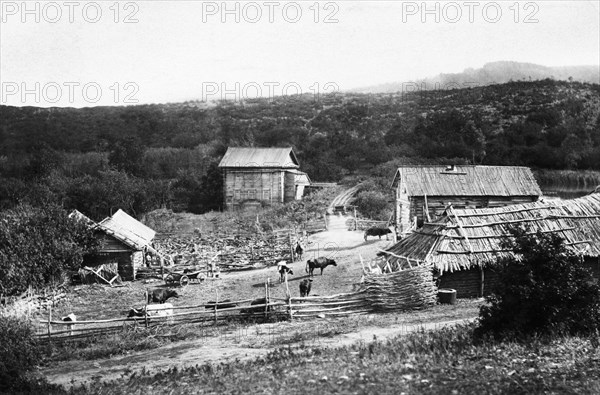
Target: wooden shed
{"points": [[256, 176], [123, 242], [423, 192], [462, 243]]}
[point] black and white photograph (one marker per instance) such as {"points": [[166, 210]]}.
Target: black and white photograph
{"points": [[299, 197]]}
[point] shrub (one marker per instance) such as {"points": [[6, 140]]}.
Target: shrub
{"points": [[39, 246], [19, 352], [542, 290], [373, 205]]}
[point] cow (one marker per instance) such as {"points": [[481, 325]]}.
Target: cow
{"points": [[133, 312], [320, 263], [69, 318], [161, 295], [283, 270], [305, 286], [224, 304], [299, 251], [163, 310], [258, 309], [377, 232]]}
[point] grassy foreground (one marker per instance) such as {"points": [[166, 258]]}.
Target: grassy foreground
{"points": [[441, 362]]}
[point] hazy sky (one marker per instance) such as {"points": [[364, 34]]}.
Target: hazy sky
{"points": [[83, 53]]}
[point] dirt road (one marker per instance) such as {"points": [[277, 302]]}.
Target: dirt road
{"points": [[237, 344], [248, 342]]}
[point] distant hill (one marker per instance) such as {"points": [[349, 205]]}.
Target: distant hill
{"points": [[492, 73]]}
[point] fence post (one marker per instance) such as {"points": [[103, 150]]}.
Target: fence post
{"points": [[289, 299], [355, 220], [291, 247], [325, 220], [49, 319], [146, 308], [216, 303], [267, 297]]}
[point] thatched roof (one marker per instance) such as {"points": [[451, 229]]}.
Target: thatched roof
{"points": [[259, 158], [467, 181], [466, 238]]}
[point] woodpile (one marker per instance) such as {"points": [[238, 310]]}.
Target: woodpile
{"points": [[230, 252], [410, 289], [107, 273]]}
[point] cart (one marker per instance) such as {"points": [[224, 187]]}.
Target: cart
{"points": [[183, 278]]}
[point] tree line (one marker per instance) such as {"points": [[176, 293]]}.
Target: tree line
{"points": [[144, 157]]}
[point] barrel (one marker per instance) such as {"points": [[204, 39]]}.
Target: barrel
{"points": [[447, 296]]}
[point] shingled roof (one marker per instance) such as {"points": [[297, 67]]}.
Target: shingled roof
{"points": [[260, 158], [467, 181], [467, 238]]}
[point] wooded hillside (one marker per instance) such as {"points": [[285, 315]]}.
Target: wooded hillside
{"points": [[143, 157]]}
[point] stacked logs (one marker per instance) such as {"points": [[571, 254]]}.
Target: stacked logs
{"points": [[241, 251], [411, 289]]}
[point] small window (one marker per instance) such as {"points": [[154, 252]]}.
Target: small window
{"points": [[266, 194]]}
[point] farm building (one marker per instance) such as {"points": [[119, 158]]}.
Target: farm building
{"points": [[255, 176], [423, 192], [123, 241], [463, 242]]}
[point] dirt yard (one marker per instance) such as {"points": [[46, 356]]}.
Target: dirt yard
{"points": [[91, 302], [249, 341]]}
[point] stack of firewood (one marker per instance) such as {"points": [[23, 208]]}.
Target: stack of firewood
{"points": [[231, 252]]}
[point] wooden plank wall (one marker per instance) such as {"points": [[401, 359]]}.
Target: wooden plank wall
{"points": [[289, 187], [244, 184]]}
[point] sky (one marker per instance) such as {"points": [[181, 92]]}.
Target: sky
{"points": [[86, 53]]}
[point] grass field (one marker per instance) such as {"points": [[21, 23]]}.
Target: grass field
{"points": [[440, 362]]}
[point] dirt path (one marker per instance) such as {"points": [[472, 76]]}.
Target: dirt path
{"points": [[249, 342], [238, 344]]}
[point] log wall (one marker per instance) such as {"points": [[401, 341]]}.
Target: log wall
{"points": [[467, 283]]}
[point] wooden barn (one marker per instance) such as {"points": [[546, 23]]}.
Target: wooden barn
{"points": [[256, 176], [123, 242], [423, 192], [462, 243]]}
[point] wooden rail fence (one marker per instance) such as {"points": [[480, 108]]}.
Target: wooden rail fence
{"points": [[410, 289]]}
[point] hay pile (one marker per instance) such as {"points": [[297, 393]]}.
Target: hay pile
{"points": [[411, 289]]}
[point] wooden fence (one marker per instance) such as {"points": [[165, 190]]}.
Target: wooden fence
{"points": [[364, 224], [410, 289]]}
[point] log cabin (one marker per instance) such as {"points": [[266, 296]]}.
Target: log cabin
{"points": [[462, 244], [422, 193], [253, 177], [123, 240]]}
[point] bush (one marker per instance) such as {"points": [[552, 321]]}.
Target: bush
{"points": [[39, 246], [373, 204], [542, 290], [19, 352]]}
